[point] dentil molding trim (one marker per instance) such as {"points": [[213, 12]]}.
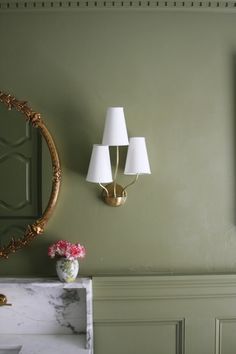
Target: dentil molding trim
{"points": [[186, 5]]}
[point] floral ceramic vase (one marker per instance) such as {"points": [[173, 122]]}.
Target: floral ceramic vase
{"points": [[67, 270]]}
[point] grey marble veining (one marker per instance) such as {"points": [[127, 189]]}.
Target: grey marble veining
{"points": [[47, 307]]}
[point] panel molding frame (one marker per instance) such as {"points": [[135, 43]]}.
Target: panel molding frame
{"points": [[218, 334], [176, 5], [27, 161], [21, 140], [179, 324]]}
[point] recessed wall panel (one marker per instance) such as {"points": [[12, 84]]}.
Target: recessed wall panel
{"points": [[138, 337], [226, 336]]}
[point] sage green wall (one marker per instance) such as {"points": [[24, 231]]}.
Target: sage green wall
{"points": [[174, 73]]}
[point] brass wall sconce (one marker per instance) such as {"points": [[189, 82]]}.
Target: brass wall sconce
{"points": [[115, 135]]}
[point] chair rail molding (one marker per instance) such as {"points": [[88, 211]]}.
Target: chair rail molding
{"points": [[164, 287], [226, 6]]}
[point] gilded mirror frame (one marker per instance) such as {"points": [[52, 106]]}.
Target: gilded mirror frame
{"points": [[37, 228]]}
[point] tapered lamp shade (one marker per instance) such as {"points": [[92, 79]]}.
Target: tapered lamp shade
{"points": [[115, 132], [137, 157], [99, 170]]}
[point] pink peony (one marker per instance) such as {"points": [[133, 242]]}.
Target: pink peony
{"points": [[67, 250]]}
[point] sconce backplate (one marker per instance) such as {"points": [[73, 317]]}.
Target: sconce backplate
{"points": [[114, 199]]}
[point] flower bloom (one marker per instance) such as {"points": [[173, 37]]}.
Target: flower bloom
{"points": [[67, 250]]}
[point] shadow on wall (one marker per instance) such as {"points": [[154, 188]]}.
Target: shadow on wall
{"points": [[30, 261], [36, 254], [234, 130], [60, 96], [76, 125]]}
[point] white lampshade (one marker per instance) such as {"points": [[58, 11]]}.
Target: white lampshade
{"points": [[137, 157], [115, 132], [99, 170]]}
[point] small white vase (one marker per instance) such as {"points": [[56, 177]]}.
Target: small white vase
{"points": [[67, 270]]}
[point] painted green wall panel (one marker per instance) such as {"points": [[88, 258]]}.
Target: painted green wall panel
{"points": [[227, 335], [174, 74], [136, 338], [200, 308]]}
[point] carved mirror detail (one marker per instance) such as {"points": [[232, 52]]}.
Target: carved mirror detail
{"points": [[37, 227]]}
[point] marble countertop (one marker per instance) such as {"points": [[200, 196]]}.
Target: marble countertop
{"points": [[48, 344], [48, 308], [78, 283]]}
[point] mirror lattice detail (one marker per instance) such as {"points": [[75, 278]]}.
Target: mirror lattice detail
{"points": [[36, 228]]}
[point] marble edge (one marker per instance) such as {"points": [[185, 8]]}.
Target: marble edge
{"points": [[51, 282]]}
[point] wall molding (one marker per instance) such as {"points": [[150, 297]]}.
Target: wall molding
{"points": [[198, 306], [178, 323], [164, 287], [185, 5], [218, 336]]}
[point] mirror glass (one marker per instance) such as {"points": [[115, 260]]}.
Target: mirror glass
{"points": [[28, 162]]}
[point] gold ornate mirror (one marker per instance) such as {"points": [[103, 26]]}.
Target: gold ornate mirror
{"points": [[23, 166]]}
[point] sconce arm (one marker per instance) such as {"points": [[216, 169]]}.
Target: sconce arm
{"points": [[116, 170], [105, 189], [130, 184]]}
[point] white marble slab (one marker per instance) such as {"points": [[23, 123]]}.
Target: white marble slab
{"points": [[48, 308], [48, 344]]}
